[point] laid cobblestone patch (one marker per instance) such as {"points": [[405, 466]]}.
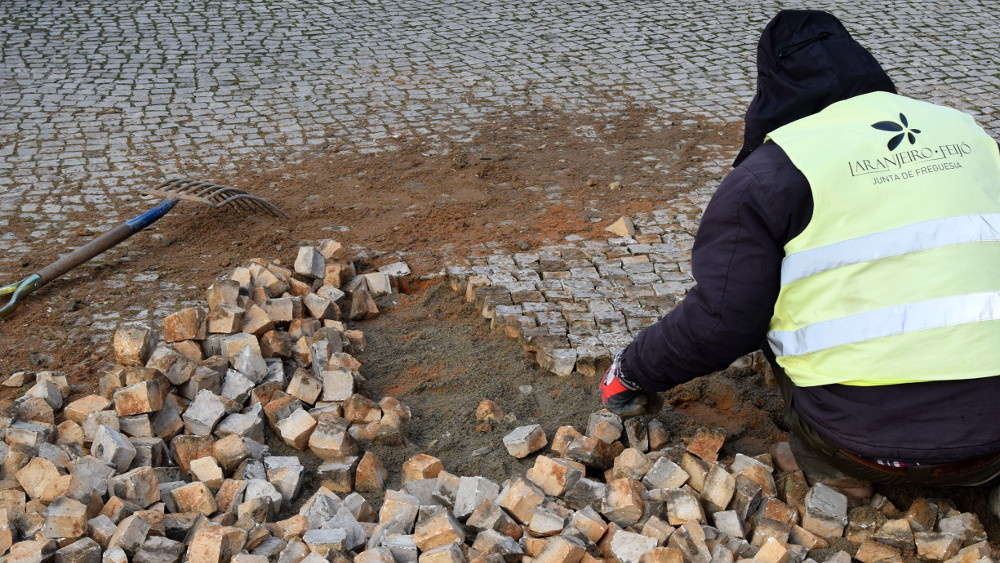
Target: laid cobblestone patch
{"points": [[577, 304]]}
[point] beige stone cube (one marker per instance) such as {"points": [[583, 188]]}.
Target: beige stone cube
{"points": [[297, 428], [562, 549], [623, 502], [631, 464], [139, 398], [421, 466], [36, 475], [683, 505], [207, 470], [231, 345], [65, 518], [223, 291], [718, 488], [590, 522], [226, 318], [520, 498], [195, 497], [562, 439], [331, 439], [871, 551], [133, 345], [663, 555], [78, 410], [773, 551], [623, 227], [554, 476], [338, 385], [186, 324], [439, 529], [371, 474], [525, 440]]}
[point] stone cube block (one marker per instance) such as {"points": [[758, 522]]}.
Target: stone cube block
{"points": [[139, 486], [631, 464], [310, 263], [297, 428], [338, 385], [109, 445], [65, 518], [371, 475], [203, 413], [519, 498], [78, 410], [186, 324], [133, 345], [194, 497], [718, 488], [936, 546], [421, 466], [225, 318], [438, 529], [628, 547], [623, 503], [554, 476], [331, 439], [207, 470], [473, 491], [683, 505], [525, 440], [826, 511], [139, 398], [83, 550]]}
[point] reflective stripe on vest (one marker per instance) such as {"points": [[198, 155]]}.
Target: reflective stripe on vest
{"points": [[897, 276]]}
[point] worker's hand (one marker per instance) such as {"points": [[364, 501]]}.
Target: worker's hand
{"points": [[621, 396]]}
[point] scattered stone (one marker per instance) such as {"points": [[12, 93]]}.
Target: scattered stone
{"points": [[554, 476], [826, 511], [525, 440], [421, 466], [623, 227], [370, 475]]}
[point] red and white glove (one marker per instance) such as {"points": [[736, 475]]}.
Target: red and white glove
{"points": [[618, 394]]}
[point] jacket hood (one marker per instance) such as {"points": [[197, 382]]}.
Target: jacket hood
{"points": [[806, 60]]}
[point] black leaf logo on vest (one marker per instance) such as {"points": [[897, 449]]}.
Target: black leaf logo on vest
{"points": [[904, 131]]}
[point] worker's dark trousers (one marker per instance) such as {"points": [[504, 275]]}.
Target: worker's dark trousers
{"points": [[974, 472]]}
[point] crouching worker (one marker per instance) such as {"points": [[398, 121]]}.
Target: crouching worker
{"points": [[858, 238]]}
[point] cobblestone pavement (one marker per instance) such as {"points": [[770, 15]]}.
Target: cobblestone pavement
{"points": [[101, 98]]}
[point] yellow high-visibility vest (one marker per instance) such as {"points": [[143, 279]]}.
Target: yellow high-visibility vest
{"points": [[896, 278]]}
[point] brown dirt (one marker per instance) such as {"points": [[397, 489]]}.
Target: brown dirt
{"points": [[444, 374], [426, 201]]}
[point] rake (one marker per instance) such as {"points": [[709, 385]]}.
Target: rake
{"points": [[214, 195]]}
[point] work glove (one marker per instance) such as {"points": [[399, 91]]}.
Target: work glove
{"points": [[623, 396]]}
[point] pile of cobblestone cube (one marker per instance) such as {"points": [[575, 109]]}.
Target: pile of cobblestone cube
{"points": [[659, 500], [169, 459], [170, 462]]}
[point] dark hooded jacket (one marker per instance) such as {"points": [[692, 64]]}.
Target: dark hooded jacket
{"points": [[806, 60]]}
